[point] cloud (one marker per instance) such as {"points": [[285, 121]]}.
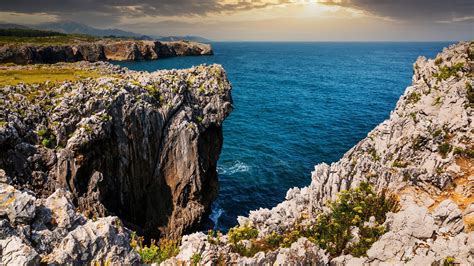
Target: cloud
{"points": [[132, 7], [113, 10], [411, 10]]}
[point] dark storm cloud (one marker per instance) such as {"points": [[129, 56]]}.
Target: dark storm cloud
{"points": [[126, 7], [421, 10], [418, 10]]}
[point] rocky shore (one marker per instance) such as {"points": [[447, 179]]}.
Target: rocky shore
{"points": [[84, 160], [423, 154], [102, 50]]}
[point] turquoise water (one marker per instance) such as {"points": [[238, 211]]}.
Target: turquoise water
{"points": [[296, 105]]}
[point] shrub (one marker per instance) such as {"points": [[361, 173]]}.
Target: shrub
{"points": [[154, 253], [438, 61], [464, 152], [399, 164], [470, 94], [239, 233], [152, 90], [418, 143], [446, 72], [374, 154], [213, 237], [196, 258], [449, 261], [444, 149], [332, 230], [414, 97], [46, 138], [437, 133]]}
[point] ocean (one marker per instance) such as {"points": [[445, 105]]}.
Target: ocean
{"points": [[296, 105]]}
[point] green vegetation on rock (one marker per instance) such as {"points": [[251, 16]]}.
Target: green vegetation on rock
{"points": [[444, 149], [154, 253], [446, 72], [414, 97], [359, 208], [470, 94], [196, 258]]}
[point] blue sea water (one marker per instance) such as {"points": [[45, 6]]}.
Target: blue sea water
{"points": [[296, 105]]}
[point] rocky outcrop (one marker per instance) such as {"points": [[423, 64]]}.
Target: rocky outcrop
{"points": [[140, 146], [423, 154], [99, 51], [49, 230]]}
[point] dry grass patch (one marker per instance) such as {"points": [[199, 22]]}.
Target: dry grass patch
{"points": [[41, 74]]}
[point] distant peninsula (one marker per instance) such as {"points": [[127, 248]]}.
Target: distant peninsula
{"points": [[27, 46]]}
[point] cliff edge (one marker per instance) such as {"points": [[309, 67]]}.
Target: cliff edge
{"points": [[423, 155], [79, 150], [73, 50]]}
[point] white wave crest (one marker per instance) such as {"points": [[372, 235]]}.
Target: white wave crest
{"points": [[237, 167], [216, 213]]}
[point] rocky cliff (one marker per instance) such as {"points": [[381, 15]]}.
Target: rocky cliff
{"points": [[102, 50], [423, 154], [76, 155]]}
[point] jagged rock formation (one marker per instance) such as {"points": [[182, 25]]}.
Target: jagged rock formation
{"points": [[140, 146], [423, 153], [99, 51], [49, 230]]}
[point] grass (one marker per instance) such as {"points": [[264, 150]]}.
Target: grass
{"points": [[48, 40], [42, 74], [332, 230]]}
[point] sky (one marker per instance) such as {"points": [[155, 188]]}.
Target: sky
{"points": [[261, 20]]}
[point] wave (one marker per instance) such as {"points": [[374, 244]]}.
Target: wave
{"points": [[237, 167], [216, 213]]}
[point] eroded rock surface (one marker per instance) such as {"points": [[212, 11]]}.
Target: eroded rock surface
{"points": [[54, 233], [140, 146], [423, 153], [99, 51]]}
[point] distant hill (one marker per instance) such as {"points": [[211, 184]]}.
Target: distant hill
{"points": [[12, 26], [72, 27], [79, 28]]}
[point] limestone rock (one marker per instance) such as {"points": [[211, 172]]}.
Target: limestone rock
{"points": [[101, 50], [19, 207], [59, 235], [421, 154], [14, 251]]}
